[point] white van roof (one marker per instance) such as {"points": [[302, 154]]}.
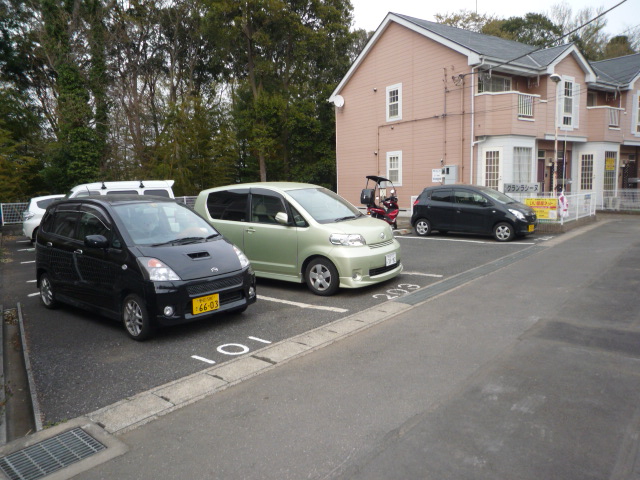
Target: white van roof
{"points": [[140, 186]]}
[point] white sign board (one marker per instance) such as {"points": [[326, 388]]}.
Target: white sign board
{"points": [[522, 188], [436, 175]]}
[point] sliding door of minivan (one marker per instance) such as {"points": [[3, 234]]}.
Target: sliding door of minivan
{"points": [[229, 210], [271, 247]]}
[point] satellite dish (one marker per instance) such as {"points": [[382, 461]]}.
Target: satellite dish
{"points": [[338, 101]]}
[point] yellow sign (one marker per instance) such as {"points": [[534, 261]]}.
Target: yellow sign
{"points": [[545, 208], [609, 164]]}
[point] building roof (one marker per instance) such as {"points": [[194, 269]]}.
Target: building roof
{"points": [[500, 54], [622, 71]]}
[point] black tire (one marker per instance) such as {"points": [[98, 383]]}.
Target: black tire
{"points": [[504, 232], [322, 277], [47, 296], [33, 236], [422, 227], [395, 225], [135, 318]]}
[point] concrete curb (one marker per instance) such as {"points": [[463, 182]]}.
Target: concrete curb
{"points": [[37, 414], [144, 407]]}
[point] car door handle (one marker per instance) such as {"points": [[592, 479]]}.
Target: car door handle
{"points": [[78, 251], [250, 230]]}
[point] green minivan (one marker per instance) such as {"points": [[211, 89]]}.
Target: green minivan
{"points": [[300, 232]]}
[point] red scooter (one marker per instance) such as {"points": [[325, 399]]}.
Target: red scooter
{"points": [[389, 209]]}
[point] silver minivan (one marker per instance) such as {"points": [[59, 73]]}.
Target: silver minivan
{"points": [[300, 232]]}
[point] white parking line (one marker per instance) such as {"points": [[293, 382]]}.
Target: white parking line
{"points": [[423, 274], [30, 261], [33, 294], [468, 241], [23, 241], [202, 359], [31, 281], [259, 340], [303, 305], [26, 250]]}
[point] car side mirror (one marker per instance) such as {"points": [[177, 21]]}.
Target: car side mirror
{"points": [[282, 218], [96, 241]]}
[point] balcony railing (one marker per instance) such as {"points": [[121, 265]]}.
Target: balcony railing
{"points": [[525, 105], [612, 115]]}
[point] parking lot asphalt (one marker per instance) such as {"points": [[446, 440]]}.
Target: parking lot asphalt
{"points": [[525, 369]]}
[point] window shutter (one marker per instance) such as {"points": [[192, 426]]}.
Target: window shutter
{"points": [[576, 105], [634, 117]]}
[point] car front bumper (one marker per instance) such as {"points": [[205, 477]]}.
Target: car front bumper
{"points": [[235, 291], [367, 265]]}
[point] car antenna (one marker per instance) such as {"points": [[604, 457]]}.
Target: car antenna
{"points": [[141, 184]]}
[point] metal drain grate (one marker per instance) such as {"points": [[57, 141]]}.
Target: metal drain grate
{"points": [[50, 455]]}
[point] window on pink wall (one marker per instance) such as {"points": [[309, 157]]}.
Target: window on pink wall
{"points": [[492, 169], [394, 102]]}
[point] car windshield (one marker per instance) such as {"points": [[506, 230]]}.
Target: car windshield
{"points": [[498, 196], [163, 224], [324, 205]]}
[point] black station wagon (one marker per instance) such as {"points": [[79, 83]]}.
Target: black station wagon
{"points": [[471, 209], [146, 261]]}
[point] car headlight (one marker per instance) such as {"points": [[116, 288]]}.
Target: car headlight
{"points": [[352, 240], [517, 213], [244, 261], [156, 270]]}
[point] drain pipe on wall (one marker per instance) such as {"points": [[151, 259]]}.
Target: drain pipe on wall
{"points": [[472, 143], [472, 133]]}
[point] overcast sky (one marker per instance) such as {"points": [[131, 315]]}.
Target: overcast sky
{"points": [[369, 13]]}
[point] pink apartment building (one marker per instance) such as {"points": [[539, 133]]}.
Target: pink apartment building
{"points": [[422, 96]]}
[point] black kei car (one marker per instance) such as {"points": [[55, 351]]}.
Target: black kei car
{"points": [[145, 261], [471, 209]]}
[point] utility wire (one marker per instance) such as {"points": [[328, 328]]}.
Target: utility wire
{"points": [[553, 41]]}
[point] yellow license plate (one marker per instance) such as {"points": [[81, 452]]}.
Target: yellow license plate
{"points": [[206, 304], [531, 227]]}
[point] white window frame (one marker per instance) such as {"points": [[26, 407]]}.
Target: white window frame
{"points": [[568, 107], [398, 170], [637, 113], [587, 164], [391, 88], [522, 170], [495, 83], [500, 157]]}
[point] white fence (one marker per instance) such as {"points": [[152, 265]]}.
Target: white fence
{"points": [[579, 205], [616, 200]]}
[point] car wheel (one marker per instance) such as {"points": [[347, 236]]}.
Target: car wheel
{"points": [[322, 277], [46, 292], [135, 318], [33, 236], [503, 232], [423, 227]]}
